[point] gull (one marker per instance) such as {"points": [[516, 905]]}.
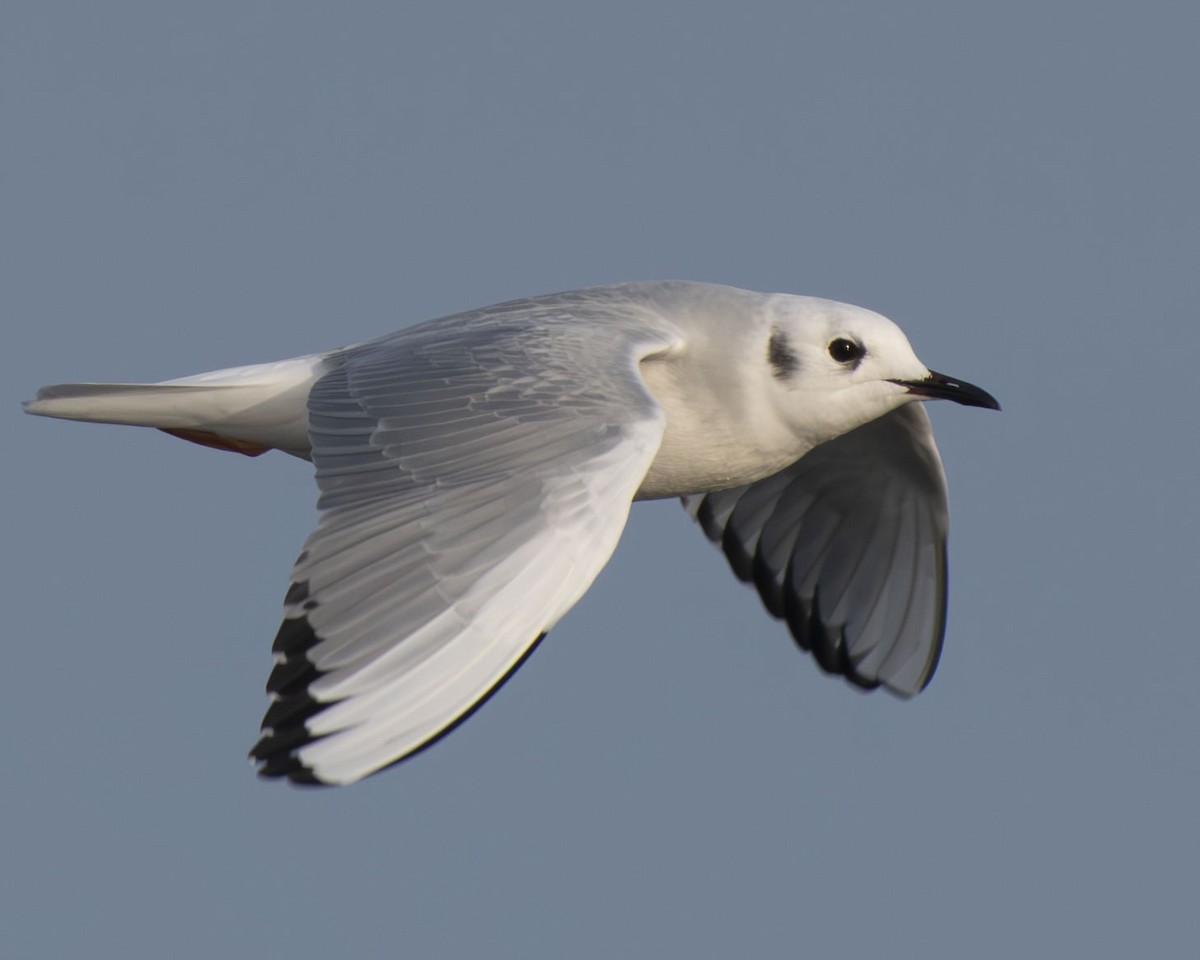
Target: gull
{"points": [[476, 472]]}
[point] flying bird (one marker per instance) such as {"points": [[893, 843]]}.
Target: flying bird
{"points": [[476, 472]]}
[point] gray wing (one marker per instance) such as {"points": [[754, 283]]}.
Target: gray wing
{"points": [[475, 475], [848, 545]]}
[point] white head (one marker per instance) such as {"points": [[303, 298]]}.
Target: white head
{"points": [[762, 379], [835, 367]]}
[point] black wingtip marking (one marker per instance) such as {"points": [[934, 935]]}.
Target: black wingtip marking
{"points": [[783, 360], [275, 750], [292, 676], [284, 725], [297, 593], [285, 722], [296, 709], [295, 637], [285, 765], [285, 731], [283, 741]]}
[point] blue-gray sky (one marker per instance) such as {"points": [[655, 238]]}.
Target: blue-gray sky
{"points": [[190, 186]]}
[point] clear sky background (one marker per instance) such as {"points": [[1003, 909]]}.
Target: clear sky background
{"points": [[191, 186]]}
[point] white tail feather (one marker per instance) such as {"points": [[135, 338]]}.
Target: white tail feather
{"points": [[263, 405]]}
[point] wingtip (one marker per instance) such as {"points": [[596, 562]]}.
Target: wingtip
{"points": [[287, 767], [275, 753]]}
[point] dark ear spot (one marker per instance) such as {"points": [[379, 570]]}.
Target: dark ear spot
{"points": [[783, 361]]}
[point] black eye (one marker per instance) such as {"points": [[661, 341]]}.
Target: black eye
{"points": [[845, 351]]}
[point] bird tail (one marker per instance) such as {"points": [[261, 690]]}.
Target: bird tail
{"points": [[245, 409]]}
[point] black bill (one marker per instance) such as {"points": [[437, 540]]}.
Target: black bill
{"points": [[938, 386]]}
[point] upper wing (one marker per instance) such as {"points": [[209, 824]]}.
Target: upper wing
{"points": [[476, 474], [848, 545]]}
